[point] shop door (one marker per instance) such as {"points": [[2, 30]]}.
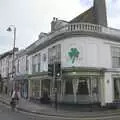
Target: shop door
{"points": [[116, 88]]}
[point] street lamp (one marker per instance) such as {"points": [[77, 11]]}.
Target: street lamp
{"points": [[10, 29]]}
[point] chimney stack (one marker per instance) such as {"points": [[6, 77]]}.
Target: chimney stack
{"points": [[100, 11], [53, 23]]}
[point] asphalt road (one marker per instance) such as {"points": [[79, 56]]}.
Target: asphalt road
{"points": [[7, 114]]}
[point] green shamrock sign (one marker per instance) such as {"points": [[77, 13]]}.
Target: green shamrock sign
{"points": [[74, 53]]}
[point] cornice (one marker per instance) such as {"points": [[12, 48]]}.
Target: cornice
{"points": [[67, 34]]}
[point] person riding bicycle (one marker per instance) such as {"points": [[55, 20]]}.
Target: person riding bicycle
{"points": [[13, 104], [15, 98]]}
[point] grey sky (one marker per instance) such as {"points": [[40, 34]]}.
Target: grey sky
{"points": [[34, 16]]}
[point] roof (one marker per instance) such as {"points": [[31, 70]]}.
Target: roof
{"points": [[21, 53], [7, 53], [87, 16]]}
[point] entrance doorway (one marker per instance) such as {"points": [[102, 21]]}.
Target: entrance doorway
{"points": [[116, 88], [83, 87]]}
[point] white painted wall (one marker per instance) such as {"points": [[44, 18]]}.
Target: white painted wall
{"points": [[5, 66], [22, 65], [93, 52], [108, 82], [44, 64]]}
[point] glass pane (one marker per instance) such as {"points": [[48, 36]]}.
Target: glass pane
{"points": [[69, 87], [83, 88], [117, 88]]}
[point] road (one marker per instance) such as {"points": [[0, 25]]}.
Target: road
{"points": [[7, 114]]}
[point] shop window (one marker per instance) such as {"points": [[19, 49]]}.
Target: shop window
{"points": [[35, 88], [69, 87], [117, 88], [45, 86], [83, 88]]}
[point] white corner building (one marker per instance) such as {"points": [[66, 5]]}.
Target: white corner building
{"points": [[87, 52]]}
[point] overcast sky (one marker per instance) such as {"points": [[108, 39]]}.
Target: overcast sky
{"points": [[34, 16]]}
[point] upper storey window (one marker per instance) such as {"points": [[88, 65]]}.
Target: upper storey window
{"points": [[36, 63], [54, 54], [115, 57]]}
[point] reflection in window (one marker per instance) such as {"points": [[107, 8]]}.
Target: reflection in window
{"points": [[45, 86], [35, 88], [117, 88], [54, 54], [115, 57], [36, 63], [83, 88]]}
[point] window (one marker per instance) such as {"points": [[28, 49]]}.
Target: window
{"points": [[54, 54], [69, 87], [27, 64], [36, 60], [45, 87], [35, 88], [34, 64], [44, 57], [18, 66], [116, 88], [83, 88], [115, 57], [39, 62]]}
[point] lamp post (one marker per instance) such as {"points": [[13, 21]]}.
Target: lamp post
{"points": [[57, 72], [54, 81], [55, 87], [10, 29]]}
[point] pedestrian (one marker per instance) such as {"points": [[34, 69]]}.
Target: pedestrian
{"points": [[16, 95]]}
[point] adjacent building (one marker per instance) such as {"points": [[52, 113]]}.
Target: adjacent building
{"points": [[7, 71], [21, 77]]}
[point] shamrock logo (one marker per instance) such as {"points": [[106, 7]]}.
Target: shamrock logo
{"points": [[74, 53]]}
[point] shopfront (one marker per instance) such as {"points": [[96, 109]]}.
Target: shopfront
{"points": [[82, 87], [38, 84], [21, 83]]}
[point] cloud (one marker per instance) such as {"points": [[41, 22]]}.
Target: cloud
{"points": [[113, 11]]}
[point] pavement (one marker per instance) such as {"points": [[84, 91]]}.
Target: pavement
{"points": [[48, 110]]}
